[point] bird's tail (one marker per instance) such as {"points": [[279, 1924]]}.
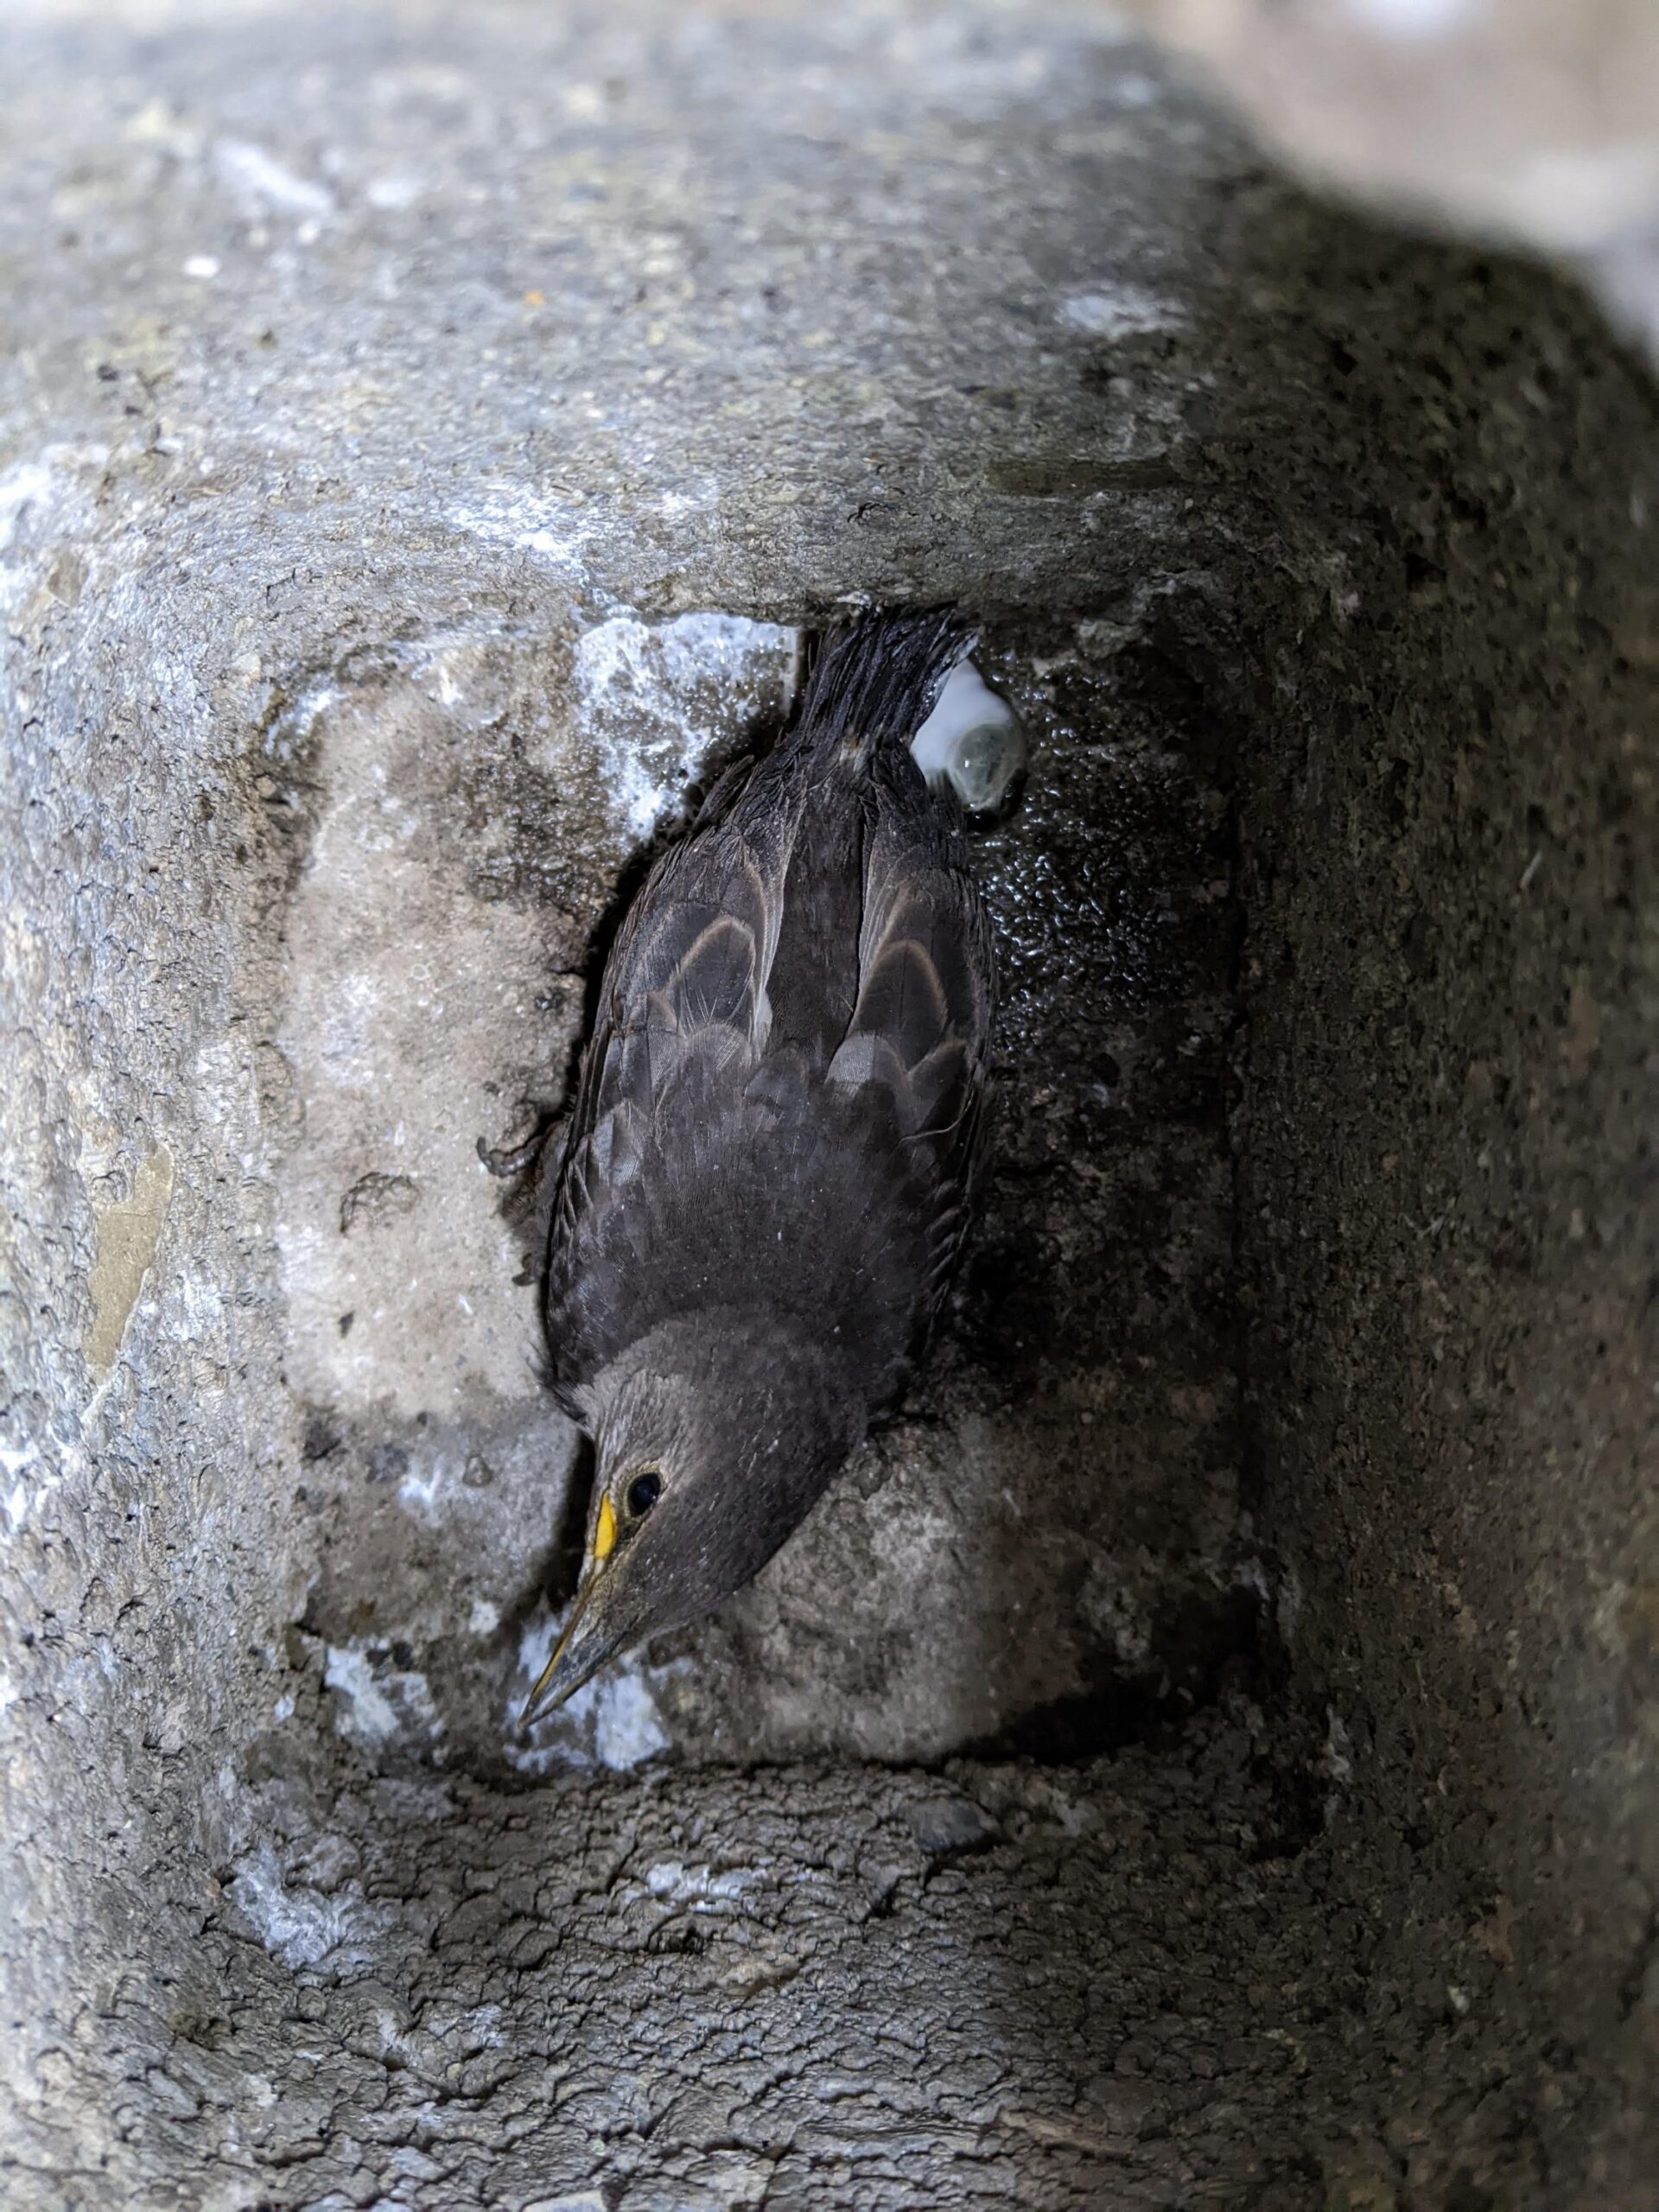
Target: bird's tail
{"points": [[875, 680]]}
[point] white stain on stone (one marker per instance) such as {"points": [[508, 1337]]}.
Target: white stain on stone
{"points": [[535, 1649], [649, 695], [674, 1882], [259, 179], [156, 123], [41, 502], [1125, 311], [65, 1461], [628, 1727], [421, 1494], [14, 1459], [20, 487], [552, 530], [614, 1721], [293, 727], [396, 189], [377, 1703], [365, 1711], [484, 1619], [298, 1925]]}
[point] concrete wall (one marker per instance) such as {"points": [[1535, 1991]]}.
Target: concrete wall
{"points": [[421, 442], [1447, 1194]]}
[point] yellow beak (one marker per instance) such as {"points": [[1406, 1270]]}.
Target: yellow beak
{"points": [[577, 1656]]}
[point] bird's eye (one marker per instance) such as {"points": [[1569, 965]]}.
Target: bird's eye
{"points": [[644, 1491]]}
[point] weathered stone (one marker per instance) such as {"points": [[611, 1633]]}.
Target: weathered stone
{"points": [[420, 443]]}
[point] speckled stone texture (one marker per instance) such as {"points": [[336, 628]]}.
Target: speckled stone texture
{"points": [[1202, 1754]]}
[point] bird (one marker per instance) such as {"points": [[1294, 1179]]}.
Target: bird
{"points": [[778, 1134]]}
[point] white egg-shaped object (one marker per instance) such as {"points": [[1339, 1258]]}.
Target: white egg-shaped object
{"points": [[972, 741]]}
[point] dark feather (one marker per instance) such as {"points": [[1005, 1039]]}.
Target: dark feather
{"points": [[877, 679], [781, 1107]]}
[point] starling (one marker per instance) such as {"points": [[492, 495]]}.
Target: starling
{"points": [[772, 1155]]}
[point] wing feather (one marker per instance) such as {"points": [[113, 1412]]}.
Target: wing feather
{"points": [[784, 1086], [921, 1023]]}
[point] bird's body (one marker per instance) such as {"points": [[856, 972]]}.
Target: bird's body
{"points": [[772, 1157]]}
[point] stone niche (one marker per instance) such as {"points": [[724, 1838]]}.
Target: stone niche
{"points": [[1203, 1753]]}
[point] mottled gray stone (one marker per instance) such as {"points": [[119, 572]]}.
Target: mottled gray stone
{"points": [[1202, 1754]]}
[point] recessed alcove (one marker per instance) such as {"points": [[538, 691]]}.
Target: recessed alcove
{"points": [[1201, 1754]]}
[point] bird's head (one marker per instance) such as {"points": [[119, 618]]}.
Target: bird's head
{"points": [[714, 1439]]}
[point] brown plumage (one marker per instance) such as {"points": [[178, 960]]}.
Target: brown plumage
{"points": [[772, 1158]]}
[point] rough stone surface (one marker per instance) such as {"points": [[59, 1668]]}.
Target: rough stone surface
{"points": [[1122, 1984], [1447, 1190], [420, 442]]}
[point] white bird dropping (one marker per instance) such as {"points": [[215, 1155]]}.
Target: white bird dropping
{"points": [[972, 741]]}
